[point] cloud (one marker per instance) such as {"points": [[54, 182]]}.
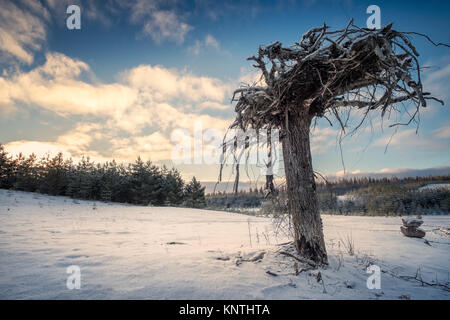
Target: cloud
{"points": [[322, 139], [213, 105], [55, 86], [80, 138], [117, 116], [22, 31], [95, 13], [73, 144], [37, 8], [165, 25], [196, 48], [78, 142], [408, 139], [155, 18], [217, 10], [169, 116], [210, 41], [251, 77], [200, 46], [167, 84], [442, 133], [154, 146], [39, 148], [160, 24], [435, 81]]}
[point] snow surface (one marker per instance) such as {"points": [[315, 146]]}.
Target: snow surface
{"points": [[435, 186], [135, 252]]}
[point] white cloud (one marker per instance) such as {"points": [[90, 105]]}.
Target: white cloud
{"points": [[210, 41], [322, 139], [39, 148], [196, 48], [442, 133], [146, 97], [201, 45], [154, 146], [79, 139], [157, 23], [55, 86], [73, 144], [165, 25], [213, 105], [36, 7], [164, 84], [251, 77], [408, 139], [22, 31], [436, 82], [151, 16], [95, 13]]}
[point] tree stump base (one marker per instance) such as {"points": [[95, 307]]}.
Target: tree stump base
{"points": [[412, 232], [412, 222]]}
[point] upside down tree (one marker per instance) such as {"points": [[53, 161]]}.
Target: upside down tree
{"points": [[319, 76]]}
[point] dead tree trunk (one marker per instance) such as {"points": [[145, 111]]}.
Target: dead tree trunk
{"points": [[301, 189], [326, 72]]}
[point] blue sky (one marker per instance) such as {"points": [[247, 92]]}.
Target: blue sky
{"points": [[139, 70]]}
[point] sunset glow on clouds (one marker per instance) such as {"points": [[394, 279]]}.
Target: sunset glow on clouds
{"points": [[146, 96], [138, 70]]}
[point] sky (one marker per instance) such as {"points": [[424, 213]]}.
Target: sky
{"points": [[142, 76]]}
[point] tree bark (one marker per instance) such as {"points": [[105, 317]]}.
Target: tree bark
{"points": [[301, 188]]}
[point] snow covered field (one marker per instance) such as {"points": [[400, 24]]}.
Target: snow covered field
{"points": [[436, 186], [133, 252]]}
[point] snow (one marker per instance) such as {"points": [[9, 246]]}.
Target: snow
{"points": [[413, 220], [348, 197], [136, 252], [435, 186]]}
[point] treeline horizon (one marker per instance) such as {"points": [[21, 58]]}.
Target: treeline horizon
{"points": [[140, 182], [351, 196], [343, 183]]}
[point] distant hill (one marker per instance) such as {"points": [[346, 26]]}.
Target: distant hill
{"points": [[385, 173]]}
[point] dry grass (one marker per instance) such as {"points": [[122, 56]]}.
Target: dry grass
{"points": [[349, 244]]}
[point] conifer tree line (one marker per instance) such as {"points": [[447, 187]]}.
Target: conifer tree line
{"points": [[371, 196], [139, 182]]}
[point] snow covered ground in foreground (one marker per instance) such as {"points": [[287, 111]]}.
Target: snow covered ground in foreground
{"points": [[133, 252]]}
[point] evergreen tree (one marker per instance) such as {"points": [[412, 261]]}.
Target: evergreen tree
{"points": [[174, 187], [146, 181], [54, 178], [27, 178], [81, 179], [194, 194], [8, 169], [5, 169]]}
